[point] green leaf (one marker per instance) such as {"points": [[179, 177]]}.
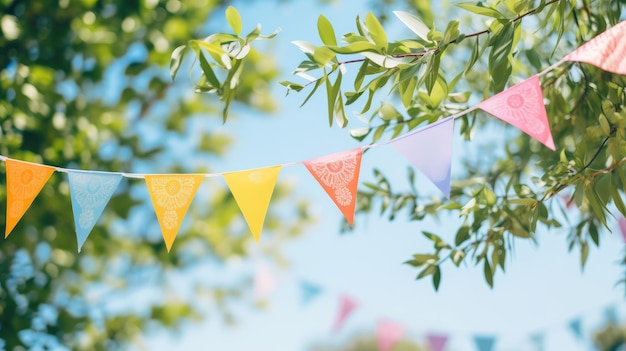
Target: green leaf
{"points": [[617, 199], [488, 273], [480, 9], [432, 72], [437, 278], [499, 66], [292, 86], [326, 31], [429, 270], [382, 60], [452, 32], [584, 254], [376, 31], [205, 66], [177, 58], [457, 257], [360, 133], [354, 48], [414, 24], [387, 112], [234, 19], [462, 235], [323, 55], [360, 76], [459, 98], [340, 113]]}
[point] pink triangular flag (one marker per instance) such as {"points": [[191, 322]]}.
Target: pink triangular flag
{"points": [[346, 306], [607, 50], [522, 106], [622, 226], [436, 342], [338, 174], [430, 150], [388, 334]]}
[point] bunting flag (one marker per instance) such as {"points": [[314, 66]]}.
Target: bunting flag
{"points": [[308, 292], [388, 334], [522, 106], [346, 306], [622, 227], [171, 196], [90, 192], [24, 182], [484, 343], [338, 174], [538, 341], [607, 50], [575, 325], [430, 150], [264, 282], [610, 314], [436, 342], [252, 190]]}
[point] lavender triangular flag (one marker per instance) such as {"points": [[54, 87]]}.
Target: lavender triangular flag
{"points": [[430, 150], [484, 343], [90, 193]]}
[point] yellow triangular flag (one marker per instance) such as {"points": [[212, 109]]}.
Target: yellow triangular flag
{"points": [[171, 196], [253, 190], [24, 182]]}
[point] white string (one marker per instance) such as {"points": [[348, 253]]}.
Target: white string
{"points": [[291, 164]]}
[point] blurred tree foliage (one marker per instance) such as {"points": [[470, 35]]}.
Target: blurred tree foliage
{"points": [[84, 84], [366, 343], [511, 187], [610, 338]]}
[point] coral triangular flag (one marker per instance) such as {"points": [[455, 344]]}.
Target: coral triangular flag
{"points": [[24, 182], [171, 196], [622, 227], [522, 106], [484, 343], [308, 292], [607, 50], [346, 306], [436, 342], [90, 193], [430, 150], [338, 174], [388, 334], [252, 190]]}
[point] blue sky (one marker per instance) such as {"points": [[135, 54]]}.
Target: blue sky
{"points": [[542, 290]]}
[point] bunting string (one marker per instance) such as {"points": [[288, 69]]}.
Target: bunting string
{"points": [[520, 105]]}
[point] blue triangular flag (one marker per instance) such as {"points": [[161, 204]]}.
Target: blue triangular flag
{"points": [[484, 343], [308, 292], [538, 341], [430, 150], [90, 193], [611, 315], [576, 327]]}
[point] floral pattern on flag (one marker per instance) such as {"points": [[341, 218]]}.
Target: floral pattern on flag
{"points": [[171, 196], [338, 174], [90, 192], [24, 182], [607, 50], [522, 106]]}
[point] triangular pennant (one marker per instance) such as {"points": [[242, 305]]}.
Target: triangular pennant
{"points": [[264, 282], [90, 193], [346, 306], [24, 182], [607, 50], [308, 292], [538, 341], [252, 190], [522, 106], [622, 227], [171, 196], [338, 174], [484, 343], [388, 334], [575, 325], [610, 313], [436, 342], [430, 150]]}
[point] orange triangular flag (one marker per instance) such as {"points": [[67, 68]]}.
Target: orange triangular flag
{"points": [[607, 50], [252, 190], [24, 182], [171, 196], [522, 106], [338, 174]]}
